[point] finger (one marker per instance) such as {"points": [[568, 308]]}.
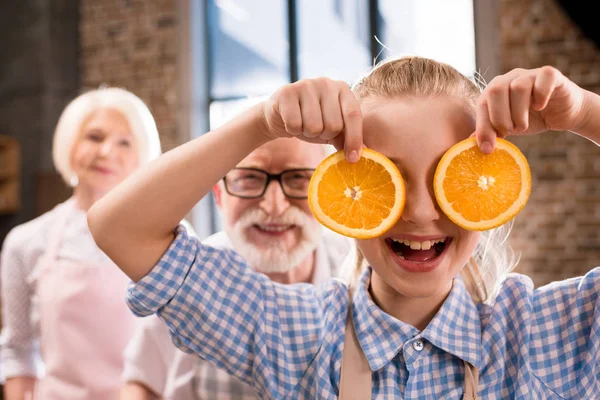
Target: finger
{"points": [[338, 142], [484, 130], [333, 121], [521, 90], [353, 125], [289, 110], [498, 104], [310, 107], [545, 83]]}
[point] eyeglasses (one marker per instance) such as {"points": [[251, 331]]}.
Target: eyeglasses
{"points": [[252, 183]]}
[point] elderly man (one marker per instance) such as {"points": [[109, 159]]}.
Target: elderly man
{"points": [[267, 220]]}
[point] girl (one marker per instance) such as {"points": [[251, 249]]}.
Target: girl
{"points": [[414, 329], [58, 287]]}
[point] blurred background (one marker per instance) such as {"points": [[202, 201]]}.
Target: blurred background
{"points": [[195, 63]]}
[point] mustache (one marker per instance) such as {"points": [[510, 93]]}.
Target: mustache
{"points": [[291, 216]]}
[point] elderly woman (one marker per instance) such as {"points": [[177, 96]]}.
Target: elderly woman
{"points": [[60, 293]]}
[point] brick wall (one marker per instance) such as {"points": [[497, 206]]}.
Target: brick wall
{"points": [[132, 44], [558, 233], [38, 77]]}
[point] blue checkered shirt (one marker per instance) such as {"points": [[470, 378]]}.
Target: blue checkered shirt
{"points": [[287, 340]]}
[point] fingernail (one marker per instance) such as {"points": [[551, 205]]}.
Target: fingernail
{"points": [[353, 156], [486, 147]]}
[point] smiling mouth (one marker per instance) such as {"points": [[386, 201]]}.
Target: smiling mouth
{"points": [[102, 170], [273, 229], [418, 252]]}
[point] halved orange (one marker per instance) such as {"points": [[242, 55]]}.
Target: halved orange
{"points": [[478, 191], [360, 200]]}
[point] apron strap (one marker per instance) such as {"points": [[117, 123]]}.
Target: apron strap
{"points": [[471, 382], [57, 233], [356, 376], [55, 238]]}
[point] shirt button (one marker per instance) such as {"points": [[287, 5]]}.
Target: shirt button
{"points": [[418, 345]]}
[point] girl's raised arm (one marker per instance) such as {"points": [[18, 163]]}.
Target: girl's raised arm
{"points": [[134, 224]]}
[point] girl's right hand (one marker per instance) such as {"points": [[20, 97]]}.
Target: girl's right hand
{"points": [[316, 111]]}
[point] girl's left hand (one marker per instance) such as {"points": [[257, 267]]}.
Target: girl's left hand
{"points": [[524, 102]]}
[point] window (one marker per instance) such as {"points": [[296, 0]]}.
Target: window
{"points": [[330, 45], [255, 47], [249, 47], [440, 29]]}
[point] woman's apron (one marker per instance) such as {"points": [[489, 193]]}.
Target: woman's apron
{"points": [[84, 324]]}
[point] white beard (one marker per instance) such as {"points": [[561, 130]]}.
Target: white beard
{"points": [[275, 257]]}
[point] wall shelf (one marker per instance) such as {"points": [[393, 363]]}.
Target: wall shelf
{"points": [[10, 175]]}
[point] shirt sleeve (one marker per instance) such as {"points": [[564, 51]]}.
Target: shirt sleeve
{"points": [[264, 333], [19, 350], [149, 354], [565, 333]]}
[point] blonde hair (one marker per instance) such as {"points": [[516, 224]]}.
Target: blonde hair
{"points": [[69, 125], [414, 76]]}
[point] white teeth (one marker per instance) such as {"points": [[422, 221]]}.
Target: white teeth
{"points": [[416, 245], [424, 245]]}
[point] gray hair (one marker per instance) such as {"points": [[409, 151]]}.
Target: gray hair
{"points": [[69, 125]]}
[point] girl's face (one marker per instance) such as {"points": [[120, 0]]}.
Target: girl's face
{"points": [[421, 255], [106, 151]]}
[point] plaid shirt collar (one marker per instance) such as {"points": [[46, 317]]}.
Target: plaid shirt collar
{"points": [[455, 329]]}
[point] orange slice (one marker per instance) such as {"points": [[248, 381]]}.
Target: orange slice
{"points": [[479, 192], [360, 200]]}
